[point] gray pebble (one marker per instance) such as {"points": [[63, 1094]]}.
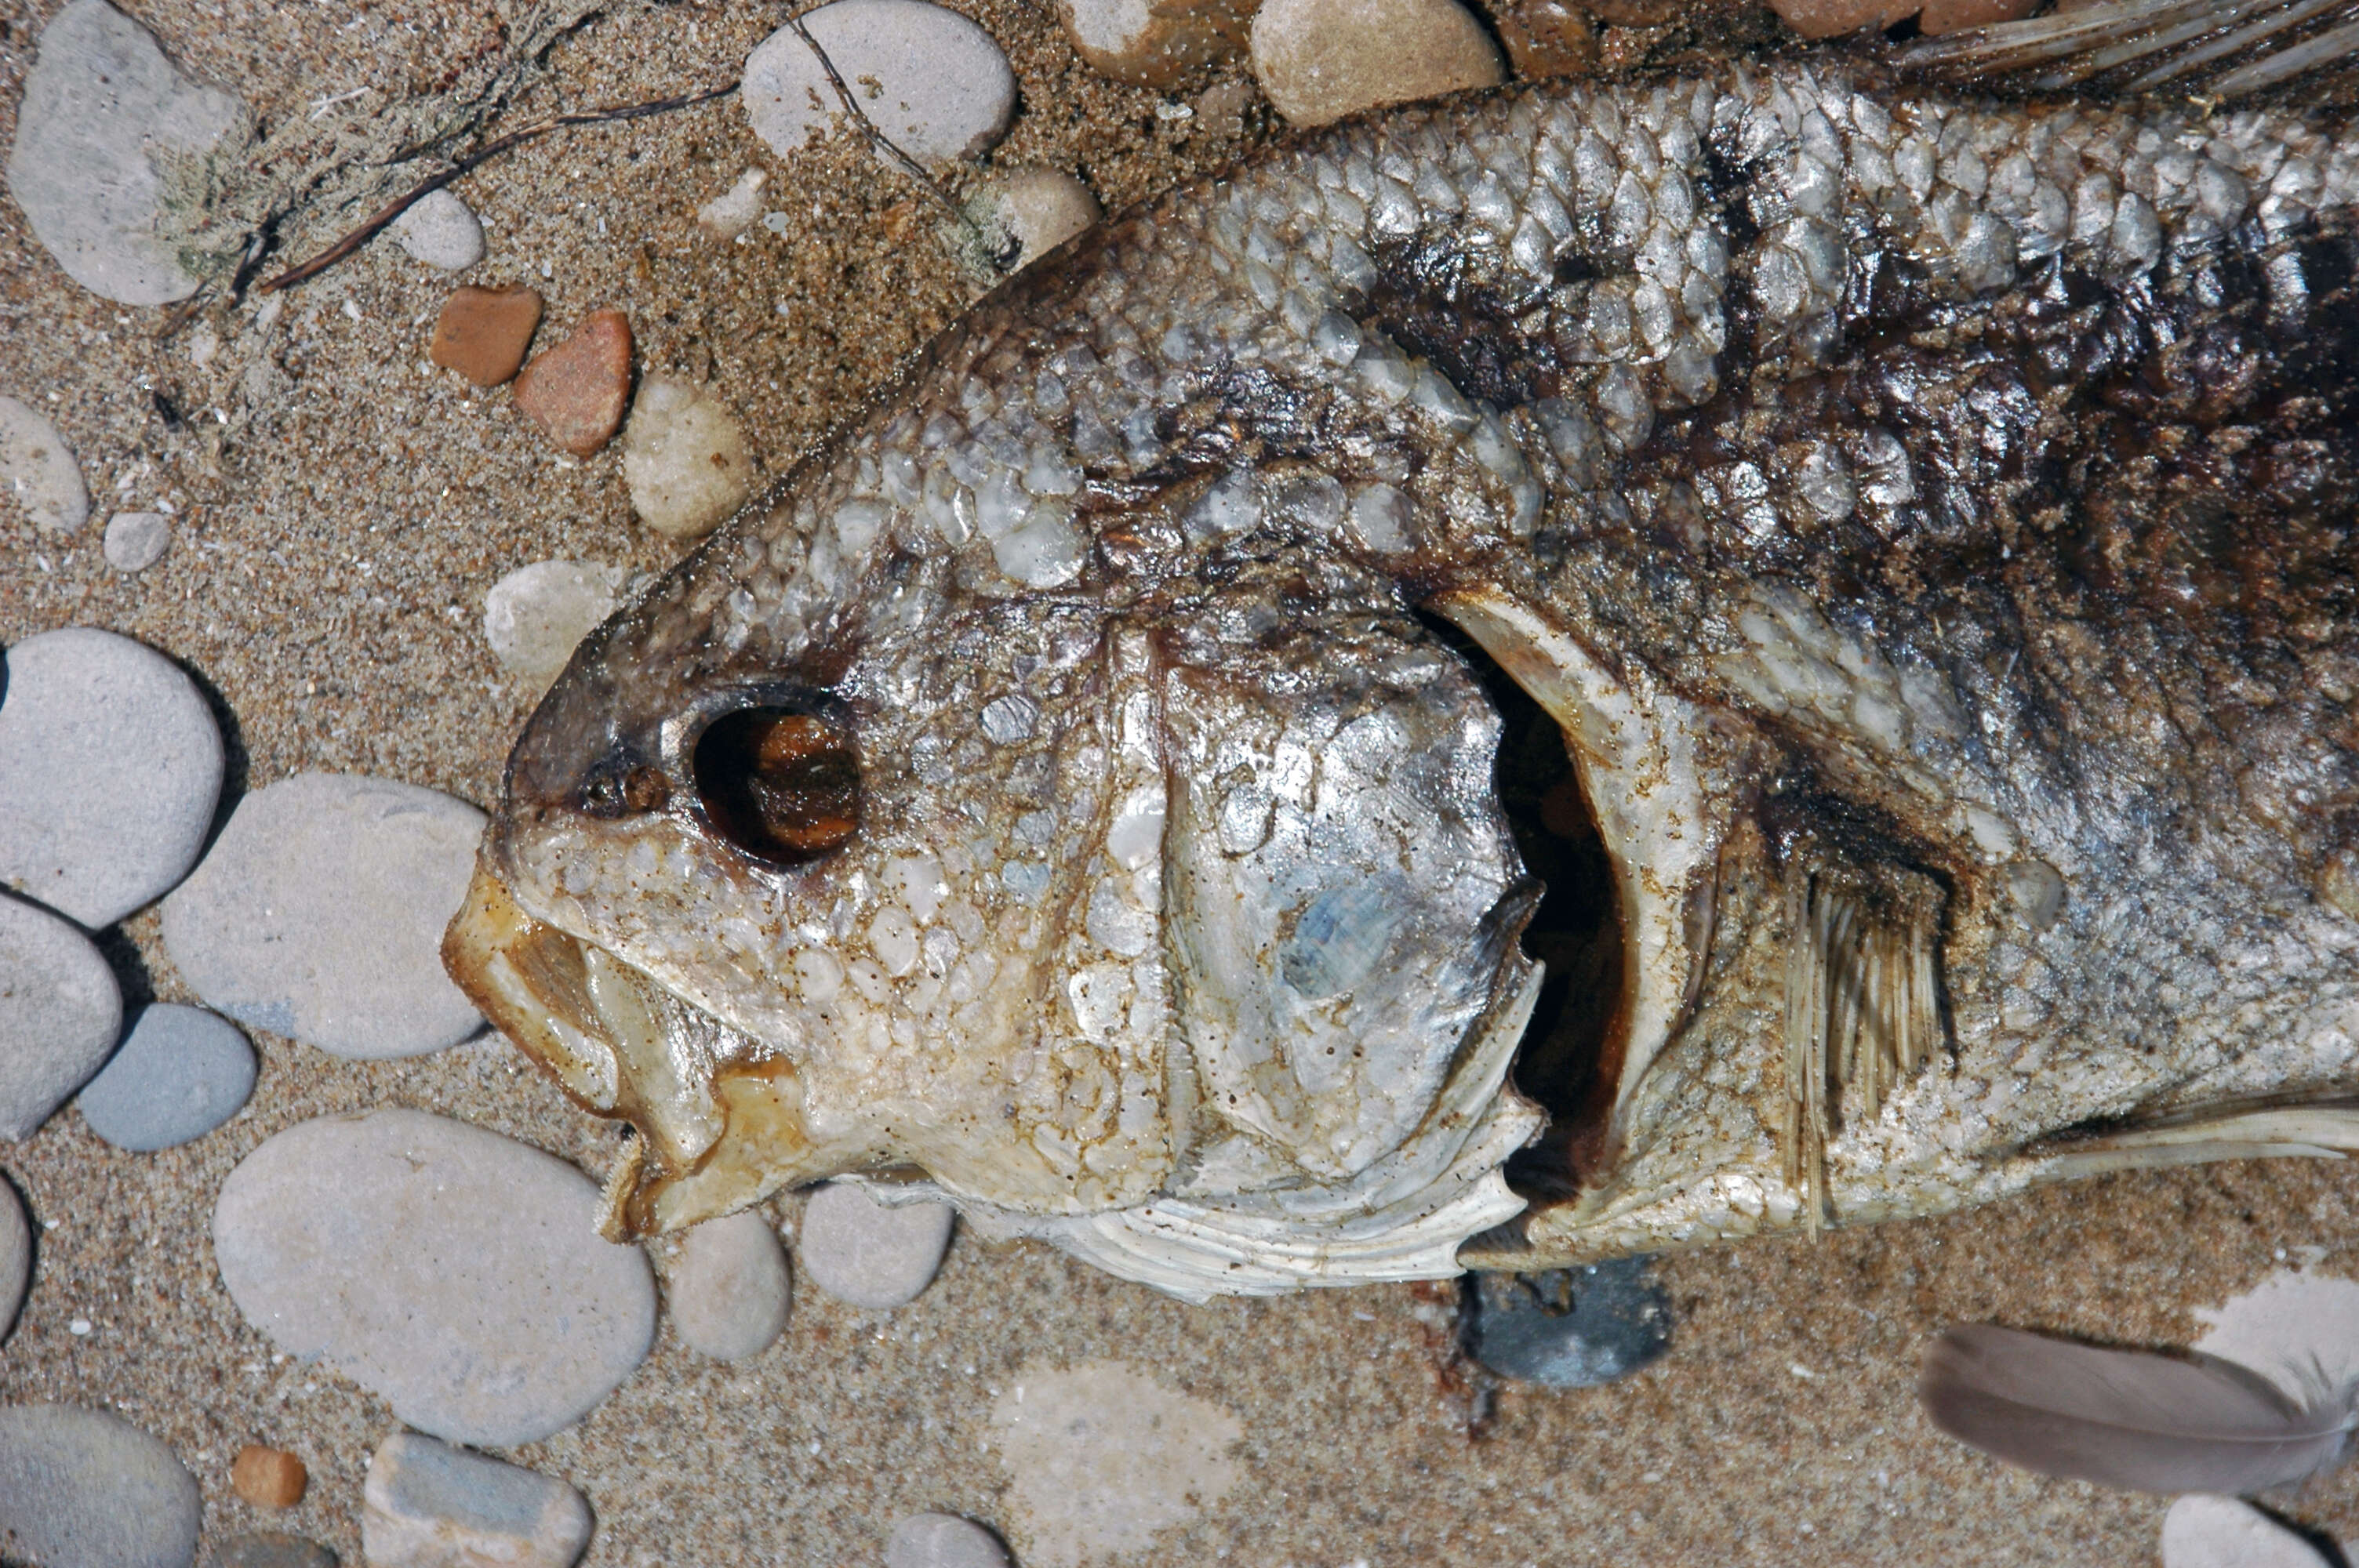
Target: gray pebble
{"points": [[534, 616], [269, 1548], [442, 232], [319, 914], [16, 1256], [728, 1287], [1024, 213], [427, 1505], [943, 1541], [455, 1272], [136, 540], [61, 1012], [180, 1073], [37, 470], [1567, 1328], [869, 1254], [110, 769], [947, 90], [104, 113], [79, 1488]]}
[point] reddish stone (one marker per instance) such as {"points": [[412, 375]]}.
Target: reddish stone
{"points": [[483, 332], [578, 391], [1957, 16], [1546, 37]]}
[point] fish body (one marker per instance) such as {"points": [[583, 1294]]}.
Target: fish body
{"points": [[1922, 525]]}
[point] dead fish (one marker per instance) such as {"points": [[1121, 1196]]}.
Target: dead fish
{"points": [[1891, 548]]}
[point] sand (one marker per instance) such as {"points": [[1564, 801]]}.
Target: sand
{"points": [[326, 585]]}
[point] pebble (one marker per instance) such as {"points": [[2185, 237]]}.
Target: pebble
{"points": [[1826, 18], [1152, 43], [442, 232], [1318, 60], [110, 769], [136, 540], [269, 1548], [16, 1256], [319, 914], [38, 470], [79, 1488], [728, 1288], [947, 93], [104, 113], [483, 332], [59, 1014], [180, 1073], [733, 211], [1548, 37], [427, 1505], [943, 1541], [1025, 213], [686, 459], [534, 617], [268, 1477], [577, 391], [1567, 1328], [2203, 1531], [456, 1273], [869, 1254]]}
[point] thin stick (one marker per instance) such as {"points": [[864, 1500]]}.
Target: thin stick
{"points": [[424, 187]]}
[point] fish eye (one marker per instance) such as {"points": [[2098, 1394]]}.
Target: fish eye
{"points": [[782, 786]]}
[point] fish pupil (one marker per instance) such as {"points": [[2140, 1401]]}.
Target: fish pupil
{"points": [[782, 786]]}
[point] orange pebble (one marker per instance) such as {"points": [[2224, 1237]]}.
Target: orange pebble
{"points": [[268, 1477]]}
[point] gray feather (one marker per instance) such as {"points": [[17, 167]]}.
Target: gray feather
{"points": [[2124, 1418]]}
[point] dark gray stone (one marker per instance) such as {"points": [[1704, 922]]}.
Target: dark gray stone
{"points": [[182, 1073], [1567, 1329], [272, 1550]]}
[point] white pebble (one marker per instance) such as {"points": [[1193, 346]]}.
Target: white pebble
{"points": [[136, 540], [945, 91], [442, 232], [457, 1273], [870, 1254], [1319, 61], [1024, 213], [319, 914], [110, 769], [943, 1541], [534, 616], [685, 457], [427, 1505], [2223, 1532], [729, 1289], [1152, 43], [104, 114], [59, 1014], [82, 1487], [16, 1256], [37, 470], [180, 1073], [733, 211]]}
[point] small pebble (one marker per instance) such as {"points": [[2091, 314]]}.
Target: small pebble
{"points": [[1221, 109], [945, 91], [268, 1477], [269, 1548], [79, 1488], [943, 1541], [319, 914], [427, 1505], [1152, 43], [1567, 1329], [733, 212], [59, 1014], [483, 332], [2203, 1531], [37, 470], [577, 391], [110, 769], [1826, 18], [686, 459], [457, 1273], [180, 1073], [870, 1254], [442, 232], [1548, 37], [136, 540], [16, 1256], [1024, 213], [729, 1289], [1318, 60], [534, 616]]}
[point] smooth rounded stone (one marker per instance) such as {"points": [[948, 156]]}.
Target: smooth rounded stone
{"points": [[728, 1287], [947, 91], [109, 137], [1318, 60], [1548, 37], [1152, 43], [59, 1014], [2204, 1531], [577, 391], [79, 1488], [319, 914], [182, 1073], [733, 211], [427, 1505], [685, 457], [268, 1477], [943, 1541], [1024, 213], [270, 1549], [441, 231], [1826, 18], [482, 333], [457, 1273], [534, 616], [16, 1256], [110, 769], [869, 1254], [1567, 1328], [37, 470], [136, 540]]}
